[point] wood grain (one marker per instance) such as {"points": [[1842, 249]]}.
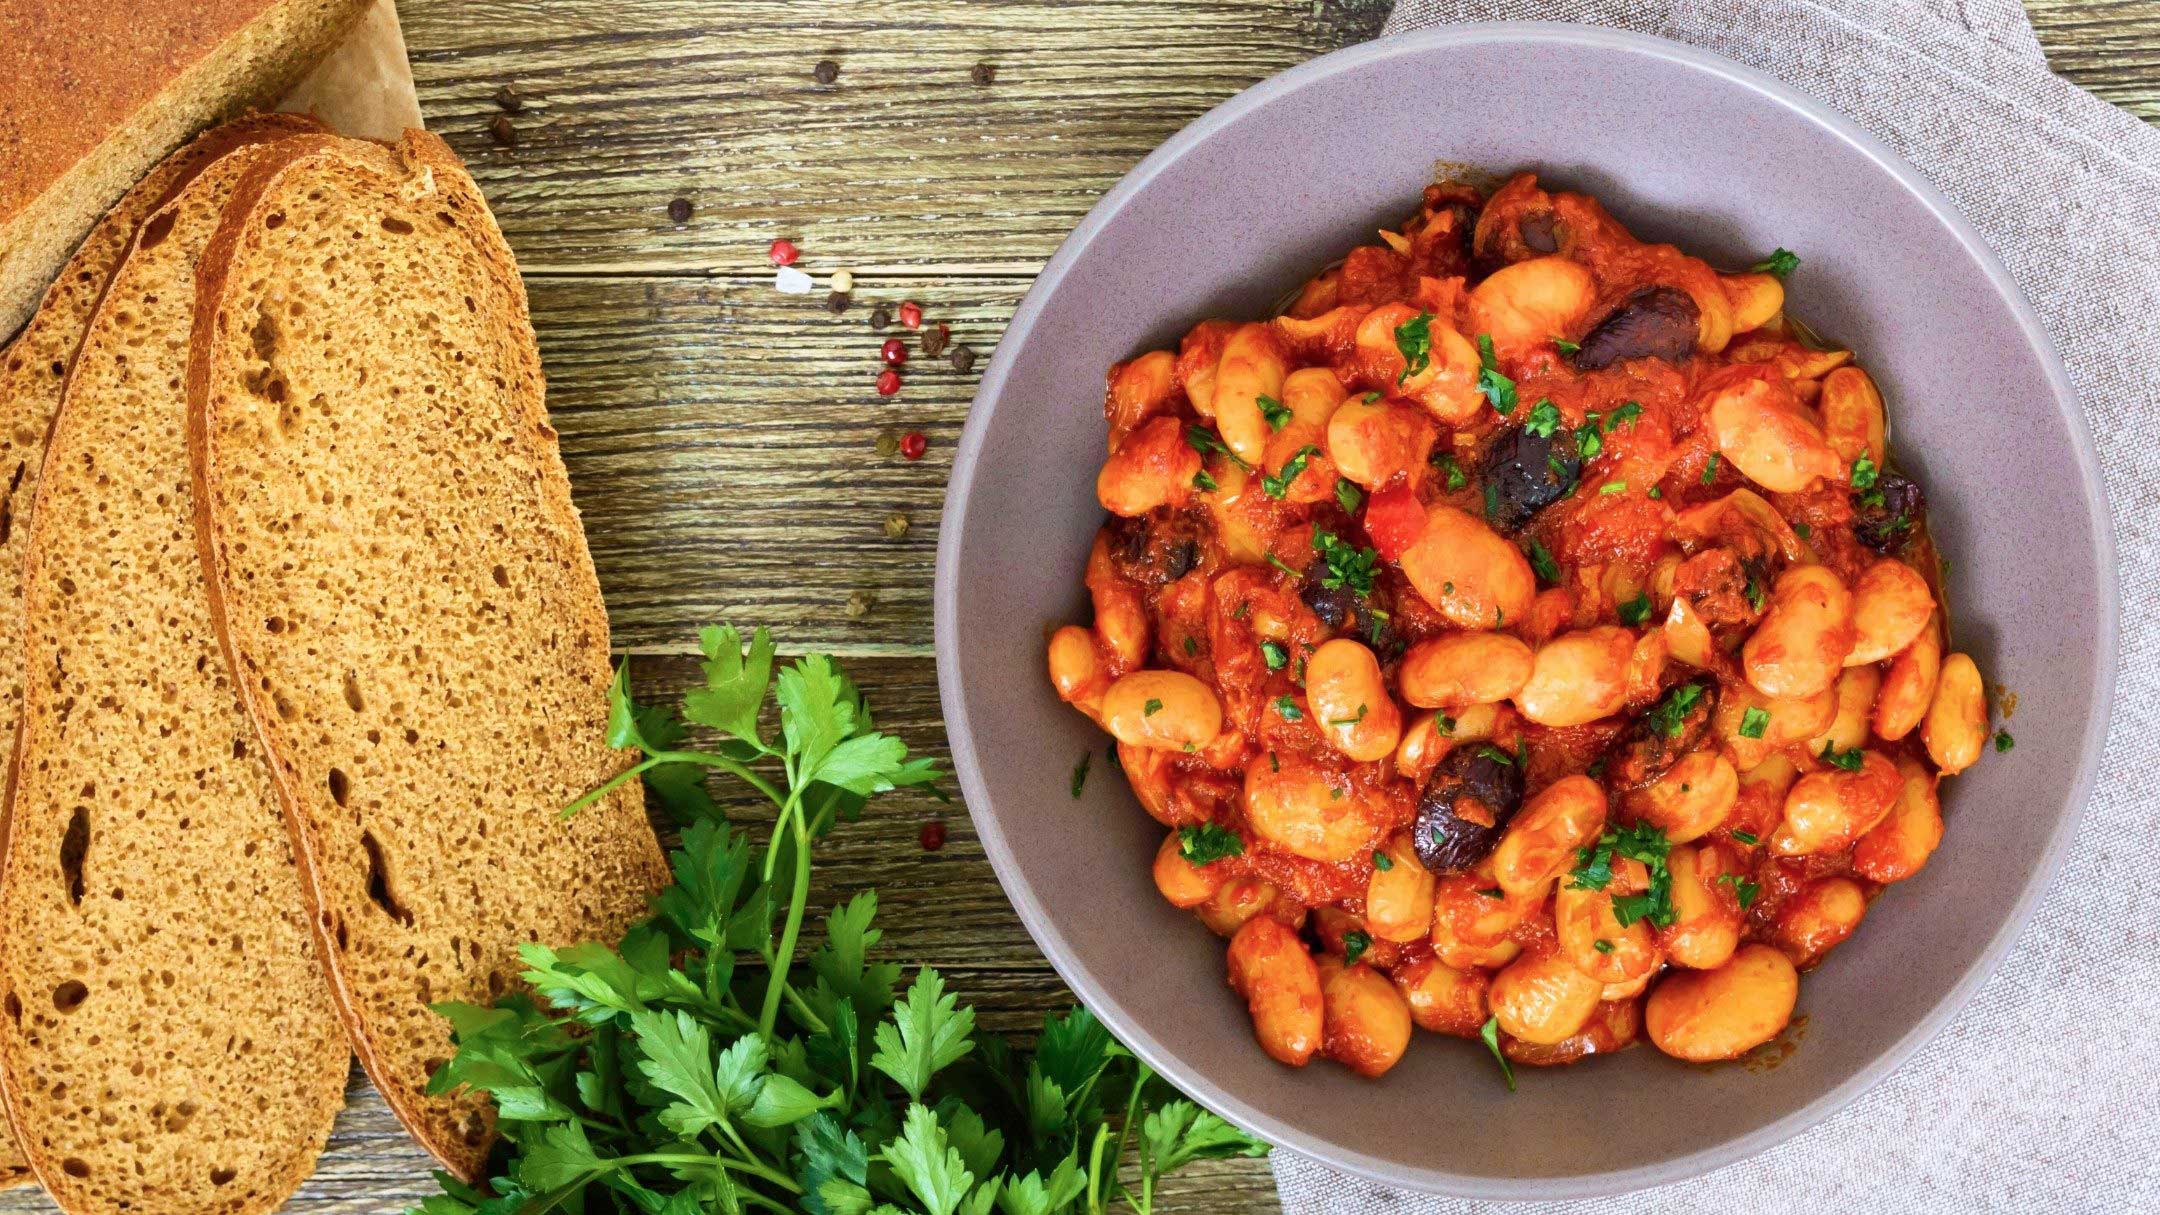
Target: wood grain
{"points": [[721, 436]]}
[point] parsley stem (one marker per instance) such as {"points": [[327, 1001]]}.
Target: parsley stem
{"points": [[730, 1163], [784, 957], [1096, 1205], [654, 759]]}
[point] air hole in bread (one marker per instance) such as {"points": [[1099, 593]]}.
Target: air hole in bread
{"points": [[285, 708], [74, 1166], [14, 1008], [378, 886], [74, 846], [223, 1176], [70, 995], [275, 624], [340, 787], [502, 576], [353, 700], [159, 227], [181, 1115], [391, 223], [276, 219]]}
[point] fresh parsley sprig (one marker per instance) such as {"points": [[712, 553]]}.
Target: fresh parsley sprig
{"points": [[701, 1065]]}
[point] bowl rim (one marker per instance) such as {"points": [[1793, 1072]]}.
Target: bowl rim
{"points": [[1051, 940]]}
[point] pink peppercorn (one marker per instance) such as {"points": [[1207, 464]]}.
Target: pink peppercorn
{"points": [[913, 445], [911, 314], [888, 382], [783, 252], [894, 351], [932, 836]]}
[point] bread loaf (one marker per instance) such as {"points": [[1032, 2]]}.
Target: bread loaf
{"points": [[167, 1038], [32, 373], [94, 92], [402, 585]]}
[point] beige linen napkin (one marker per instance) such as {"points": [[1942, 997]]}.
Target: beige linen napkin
{"points": [[2043, 1096]]}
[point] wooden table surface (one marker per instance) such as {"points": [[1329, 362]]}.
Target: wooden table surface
{"points": [[722, 437]]}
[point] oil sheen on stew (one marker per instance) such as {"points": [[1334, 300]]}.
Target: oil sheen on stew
{"points": [[1522, 636]]}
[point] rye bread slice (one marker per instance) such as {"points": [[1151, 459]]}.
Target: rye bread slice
{"points": [[403, 588], [167, 1040], [33, 371]]}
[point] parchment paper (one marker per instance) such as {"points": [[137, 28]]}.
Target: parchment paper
{"points": [[365, 87]]}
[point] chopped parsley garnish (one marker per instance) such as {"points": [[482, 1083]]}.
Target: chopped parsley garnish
{"points": [[1492, 892], [1709, 470], [1276, 657], [1279, 484], [2003, 741], [1669, 718], [1354, 944], [1455, 477], [1208, 843], [1747, 837], [1288, 710], [1628, 412], [1848, 761], [1636, 610], [1780, 263], [1497, 388], [1613, 487], [1802, 530], [1346, 566], [1602, 945], [1276, 413], [1413, 338], [1382, 861], [1080, 771], [1203, 481], [1653, 493], [1191, 646], [1443, 723], [1348, 495], [1151, 708], [1641, 842], [1284, 566], [1864, 472], [1200, 439], [1589, 440], [1754, 592], [1548, 570], [1490, 1036], [1754, 723], [1351, 721], [1495, 754], [1743, 889], [1565, 346], [1543, 418]]}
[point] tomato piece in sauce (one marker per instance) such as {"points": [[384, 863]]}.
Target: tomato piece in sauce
{"points": [[1393, 518]]}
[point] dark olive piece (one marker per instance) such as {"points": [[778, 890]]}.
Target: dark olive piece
{"points": [[1890, 514], [1649, 746], [1334, 605], [1467, 802], [1524, 473], [1651, 323]]}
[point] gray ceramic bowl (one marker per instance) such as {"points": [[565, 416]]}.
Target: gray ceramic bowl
{"points": [[1257, 195]]}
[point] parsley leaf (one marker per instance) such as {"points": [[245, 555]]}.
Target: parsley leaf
{"points": [[1348, 495], [1754, 723], [1202, 440], [1626, 413], [1273, 653], [1709, 469], [1589, 441], [1780, 263], [1275, 412], [1747, 837], [1382, 861], [1455, 477], [1743, 889], [1288, 710], [1278, 484], [1355, 943], [1566, 347], [1548, 570], [1669, 718], [1207, 843], [1204, 482], [1613, 487], [1489, 1034], [1346, 566], [1640, 842], [1864, 472], [1413, 338], [1498, 389], [928, 1033], [1637, 610], [2003, 741], [1080, 772], [1543, 418], [1850, 760]]}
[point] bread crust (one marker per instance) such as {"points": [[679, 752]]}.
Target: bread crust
{"points": [[308, 1044], [456, 1128]]}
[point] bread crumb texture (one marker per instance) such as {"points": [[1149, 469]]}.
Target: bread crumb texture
{"points": [[168, 1038], [405, 591]]}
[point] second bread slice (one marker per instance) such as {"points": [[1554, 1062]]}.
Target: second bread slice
{"points": [[403, 587]]}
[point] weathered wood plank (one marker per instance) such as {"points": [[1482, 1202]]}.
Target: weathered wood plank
{"points": [[902, 161], [2109, 46], [721, 439]]}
